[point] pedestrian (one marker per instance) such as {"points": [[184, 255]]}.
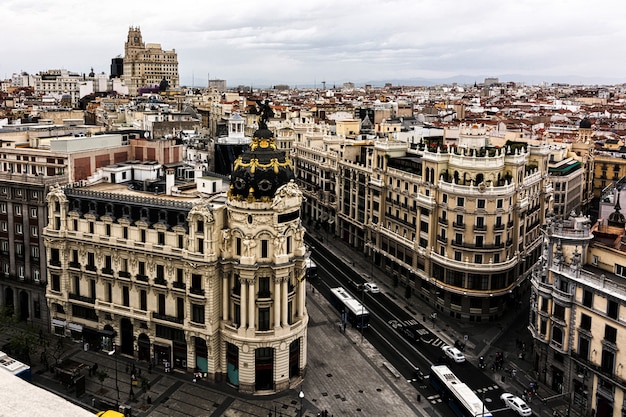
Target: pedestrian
{"points": [[95, 368]]}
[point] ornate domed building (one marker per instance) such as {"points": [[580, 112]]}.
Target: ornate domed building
{"points": [[213, 286], [264, 264]]}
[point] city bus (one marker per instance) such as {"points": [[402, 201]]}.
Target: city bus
{"points": [[461, 399], [356, 314]]}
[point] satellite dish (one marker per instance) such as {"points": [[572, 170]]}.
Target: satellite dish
{"points": [[146, 134]]}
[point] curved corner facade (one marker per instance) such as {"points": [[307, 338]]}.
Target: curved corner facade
{"points": [[208, 286]]}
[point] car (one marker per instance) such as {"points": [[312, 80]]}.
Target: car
{"points": [[371, 288], [355, 285], [516, 404], [419, 375], [453, 353]]}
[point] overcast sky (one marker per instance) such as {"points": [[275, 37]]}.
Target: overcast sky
{"points": [[300, 43]]}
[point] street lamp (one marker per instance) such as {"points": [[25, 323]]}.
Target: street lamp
{"points": [[117, 388], [371, 253], [301, 395], [362, 309]]}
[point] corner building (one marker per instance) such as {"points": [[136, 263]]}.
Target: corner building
{"points": [[459, 226], [210, 285]]}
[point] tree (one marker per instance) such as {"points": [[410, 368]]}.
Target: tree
{"points": [[102, 375], [21, 337], [407, 292], [145, 384], [164, 85]]}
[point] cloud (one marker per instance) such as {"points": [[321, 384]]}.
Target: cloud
{"points": [[280, 41]]}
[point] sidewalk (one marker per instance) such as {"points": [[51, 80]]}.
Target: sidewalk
{"points": [[346, 376], [509, 335]]}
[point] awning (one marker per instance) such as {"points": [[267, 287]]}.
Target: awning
{"points": [[59, 323], [75, 327]]}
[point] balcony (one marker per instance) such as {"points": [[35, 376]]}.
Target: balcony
{"points": [[480, 228], [498, 226], [160, 281], [458, 225], [442, 239], [123, 274], [562, 295], [55, 262], [177, 285], [196, 291], [142, 278], [91, 268], [165, 317], [75, 265], [443, 221], [82, 298], [107, 271]]}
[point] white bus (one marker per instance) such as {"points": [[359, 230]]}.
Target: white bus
{"points": [[463, 401], [357, 314]]}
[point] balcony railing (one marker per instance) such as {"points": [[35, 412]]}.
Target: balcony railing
{"points": [[124, 274], [107, 271], [82, 298], [165, 317], [160, 281], [178, 285], [55, 262], [458, 225], [480, 228], [143, 278], [75, 265], [91, 268], [196, 291]]}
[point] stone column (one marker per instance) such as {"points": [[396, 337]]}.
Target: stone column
{"points": [[251, 302], [243, 304], [225, 300], [284, 302], [277, 303]]}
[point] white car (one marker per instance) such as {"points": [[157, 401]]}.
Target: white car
{"points": [[516, 404], [372, 288], [453, 353]]}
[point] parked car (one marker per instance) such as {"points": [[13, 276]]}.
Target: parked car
{"points": [[372, 288], [453, 353], [516, 404]]}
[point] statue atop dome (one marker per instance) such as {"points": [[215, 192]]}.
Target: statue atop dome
{"points": [[266, 112]]}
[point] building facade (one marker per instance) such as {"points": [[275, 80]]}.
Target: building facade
{"points": [[216, 287], [578, 301], [25, 178], [459, 226], [146, 65]]}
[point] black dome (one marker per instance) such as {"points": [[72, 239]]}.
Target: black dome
{"points": [[260, 171], [585, 124]]}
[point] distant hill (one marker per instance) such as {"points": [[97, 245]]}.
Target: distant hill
{"points": [[458, 79]]}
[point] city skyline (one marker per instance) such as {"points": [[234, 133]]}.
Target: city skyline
{"points": [[277, 42]]}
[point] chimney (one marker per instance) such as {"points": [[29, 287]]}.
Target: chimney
{"points": [[169, 180]]}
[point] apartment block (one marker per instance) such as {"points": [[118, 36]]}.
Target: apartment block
{"points": [[578, 302]]}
